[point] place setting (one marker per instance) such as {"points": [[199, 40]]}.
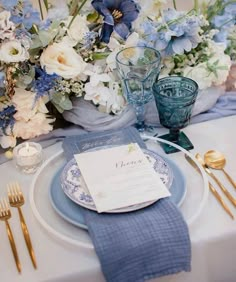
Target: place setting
{"points": [[90, 209]]}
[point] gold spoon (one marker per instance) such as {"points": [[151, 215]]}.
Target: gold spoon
{"points": [[212, 175], [216, 160], [212, 189]]}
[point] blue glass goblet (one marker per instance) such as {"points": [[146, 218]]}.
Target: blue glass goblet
{"points": [[175, 97], [138, 68]]}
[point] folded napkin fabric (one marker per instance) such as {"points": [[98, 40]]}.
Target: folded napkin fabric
{"points": [[141, 245]]}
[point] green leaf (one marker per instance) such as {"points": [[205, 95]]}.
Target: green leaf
{"points": [[62, 101], [66, 103], [60, 110], [47, 36], [36, 43]]}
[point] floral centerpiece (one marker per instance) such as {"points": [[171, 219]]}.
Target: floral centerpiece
{"points": [[70, 53]]}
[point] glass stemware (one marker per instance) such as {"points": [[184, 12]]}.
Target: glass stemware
{"points": [[175, 97], [138, 67]]}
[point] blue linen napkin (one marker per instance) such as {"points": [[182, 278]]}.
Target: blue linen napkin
{"points": [[80, 143], [141, 245]]}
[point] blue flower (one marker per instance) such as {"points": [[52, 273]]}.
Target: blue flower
{"points": [[22, 14], [118, 15], [224, 22], [8, 4], [43, 82], [176, 33], [2, 79], [7, 118]]}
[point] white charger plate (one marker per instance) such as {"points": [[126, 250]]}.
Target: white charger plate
{"points": [[66, 232], [74, 187]]}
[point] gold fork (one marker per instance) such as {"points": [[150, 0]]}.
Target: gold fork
{"points": [[16, 199], [5, 214]]}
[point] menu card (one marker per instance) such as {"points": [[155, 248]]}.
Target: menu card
{"points": [[120, 176]]}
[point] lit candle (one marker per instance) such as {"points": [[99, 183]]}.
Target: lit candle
{"points": [[28, 156]]}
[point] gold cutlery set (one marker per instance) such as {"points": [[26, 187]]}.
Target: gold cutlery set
{"points": [[16, 200], [216, 160]]}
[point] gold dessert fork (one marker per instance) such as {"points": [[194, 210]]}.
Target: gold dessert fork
{"points": [[16, 199], [5, 214]]}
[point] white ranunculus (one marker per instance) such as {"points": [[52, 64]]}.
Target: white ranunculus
{"points": [[62, 60], [6, 26], [77, 30], [12, 52]]}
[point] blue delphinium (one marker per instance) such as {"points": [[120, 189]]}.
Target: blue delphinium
{"points": [[224, 21], [43, 83], [175, 33], [7, 119], [8, 4], [118, 15], [22, 13]]}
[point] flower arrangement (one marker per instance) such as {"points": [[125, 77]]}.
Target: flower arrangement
{"points": [[44, 62]]}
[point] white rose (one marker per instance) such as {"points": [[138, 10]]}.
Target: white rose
{"points": [[13, 52], [62, 60], [6, 26], [77, 30]]}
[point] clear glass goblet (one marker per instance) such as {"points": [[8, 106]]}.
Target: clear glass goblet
{"points": [[175, 97], [138, 67]]}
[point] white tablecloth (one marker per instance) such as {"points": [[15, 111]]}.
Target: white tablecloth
{"points": [[213, 233]]}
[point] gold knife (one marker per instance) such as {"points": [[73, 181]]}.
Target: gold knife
{"points": [[212, 189], [212, 175]]}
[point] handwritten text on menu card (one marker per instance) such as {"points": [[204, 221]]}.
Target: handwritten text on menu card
{"points": [[119, 177]]}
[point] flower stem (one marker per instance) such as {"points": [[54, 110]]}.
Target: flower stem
{"points": [[174, 4], [46, 4], [41, 9], [77, 12], [196, 5]]}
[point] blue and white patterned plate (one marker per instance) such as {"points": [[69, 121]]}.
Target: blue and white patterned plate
{"points": [[75, 188]]}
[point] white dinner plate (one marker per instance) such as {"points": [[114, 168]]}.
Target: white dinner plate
{"points": [[59, 228], [74, 187]]}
